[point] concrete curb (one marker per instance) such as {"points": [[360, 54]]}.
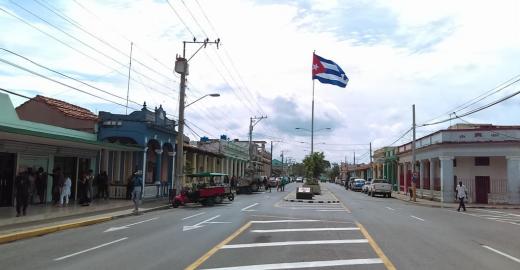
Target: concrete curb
{"points": [[467, 205], [11, 237]]}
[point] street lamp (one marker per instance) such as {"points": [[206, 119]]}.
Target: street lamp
{"points": [[206, 95]]}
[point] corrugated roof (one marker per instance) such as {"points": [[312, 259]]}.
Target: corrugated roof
{"points": [[67, 108]]}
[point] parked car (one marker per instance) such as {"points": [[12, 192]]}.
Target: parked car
{"points": [[299, 179], [380, 186], [364, 189], [357, 185], [350, 182]]}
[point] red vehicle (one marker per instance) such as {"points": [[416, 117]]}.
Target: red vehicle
{"points": [[207, 189]]}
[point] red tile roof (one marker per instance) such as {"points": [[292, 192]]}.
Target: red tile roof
{"points": [[67, 108]]}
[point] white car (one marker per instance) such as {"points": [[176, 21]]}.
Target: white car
{"points": [[380, 186], [299, 179]]}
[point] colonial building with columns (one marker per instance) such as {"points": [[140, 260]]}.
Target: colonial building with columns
{"points": [[485, 157], [233, 155], [154, 134]]}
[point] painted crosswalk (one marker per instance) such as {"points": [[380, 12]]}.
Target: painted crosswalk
{"points": [[512, 218], [265, 244]]}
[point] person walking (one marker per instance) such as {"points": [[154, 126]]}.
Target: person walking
{"points": [[65, 192], [137, 182], [21, 183], [83, 191], [284, 182], [462, 194], [90, 183], [266, 184]]}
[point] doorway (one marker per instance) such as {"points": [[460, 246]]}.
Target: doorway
{"points": [[482, 188], [7, 162]]}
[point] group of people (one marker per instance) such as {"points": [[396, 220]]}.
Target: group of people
{"points": [[30, 184], [280, 185]]}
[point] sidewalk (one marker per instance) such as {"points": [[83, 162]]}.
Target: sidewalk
{"points": [[429, 203], [325, 197], [44, 219]]}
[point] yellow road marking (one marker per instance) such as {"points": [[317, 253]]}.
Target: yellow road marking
{"points": [[389, 265], [212, 251]]}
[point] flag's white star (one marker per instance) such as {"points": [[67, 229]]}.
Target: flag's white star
{"points": [[315, 67]]}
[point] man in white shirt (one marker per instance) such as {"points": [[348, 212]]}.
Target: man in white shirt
{"points": [[462, 193]]}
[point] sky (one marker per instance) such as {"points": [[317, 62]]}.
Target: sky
{"points": [[436, 55]]}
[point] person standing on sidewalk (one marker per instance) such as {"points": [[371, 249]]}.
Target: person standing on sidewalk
{"points": [[90, 183], [462, 194], [65, 192], [41, 183], [102, 181], [22, 193], [137, 182]]}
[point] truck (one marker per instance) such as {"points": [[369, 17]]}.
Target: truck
{"points": [[380, 186]]}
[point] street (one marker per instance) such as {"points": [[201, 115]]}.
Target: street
{"points": [[262, 231]]}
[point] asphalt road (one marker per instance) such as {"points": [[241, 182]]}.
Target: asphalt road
{"points": [[261, 231]]}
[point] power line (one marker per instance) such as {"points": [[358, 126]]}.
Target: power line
{"points": [[178, 16]]}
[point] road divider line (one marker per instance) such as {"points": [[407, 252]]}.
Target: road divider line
{"points": [[283, 221], [307, 230], [90, 249], [299, 265], [389, 265], [502, 253], [390, 208], [245, 209], [296, 243], [331, 210], [212, 251], [418, 218], [196, 215]]}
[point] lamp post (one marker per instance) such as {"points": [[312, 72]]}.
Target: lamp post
{"points": [[206, 95], [312, 134]]}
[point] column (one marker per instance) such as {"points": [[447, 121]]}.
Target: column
{"points": [[205, 162], [214, 164], [399, 176], [158, 166], [144, 170], [421, 177], [432, 177], [228, 163], [243, 168], [513, 179], [194, 162], [222, 165], [235, 171], [405, 167], [172, 154], [447, 194]]}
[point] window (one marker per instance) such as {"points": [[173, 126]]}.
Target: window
{"points": [[481, 161], [454, 162]]}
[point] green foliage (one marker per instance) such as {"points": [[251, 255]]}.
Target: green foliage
{"points": [[315, 164], [334, 172]]}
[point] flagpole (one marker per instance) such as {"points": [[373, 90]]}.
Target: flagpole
{"points": [[312, 121]]}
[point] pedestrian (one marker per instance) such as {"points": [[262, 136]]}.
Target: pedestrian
{"points": [[90, 182], [102, 182], [32, 184], [462, 194], [137, 182], [58, 179], [284, 182], [65, 192], [83, 190], [414, 187], [130, 185], [266, 184], [21, 183], [41, 183], [233, 183]]}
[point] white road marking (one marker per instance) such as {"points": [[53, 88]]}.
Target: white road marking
{"points": [[307, 230], [313, 208], [111, 229], [502, 253], [331, 210], [498, 212], [246, 209], [418, 218], [294, 243], [198, 225], [90, 249], [194, 215], [299, 265], [390, 208], [283, 220]]}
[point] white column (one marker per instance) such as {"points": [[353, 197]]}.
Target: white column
{"points": [[228, 164], [432, 177], [222, 165], [205, 163], [447, 194], [421, 177], [513, 179], [214, 164]]}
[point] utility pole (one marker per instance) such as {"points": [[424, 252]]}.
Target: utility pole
{"points": [[181, 67], [282, 162], [128, 84], [371, 170], [252, 123], [271, 168], [414, 176]]}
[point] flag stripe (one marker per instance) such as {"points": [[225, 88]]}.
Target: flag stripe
{"points": [[333, 72], [331, 80], [330, 66]]}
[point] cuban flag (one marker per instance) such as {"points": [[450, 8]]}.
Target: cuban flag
{"points": [[327, 71]]}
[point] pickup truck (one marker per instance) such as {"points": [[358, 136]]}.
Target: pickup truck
{"points": [[380, 186]]}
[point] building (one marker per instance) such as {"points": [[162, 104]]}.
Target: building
{"points": [[58, 113], [153, 134], [390, 166], [26, 144], [233, 156], [360, 171], [485, 157]]}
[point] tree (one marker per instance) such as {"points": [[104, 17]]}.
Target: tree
{"points": [[315, 164], [334, 172]]}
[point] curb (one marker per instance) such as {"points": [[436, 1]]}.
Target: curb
{"points": [[11, 237]]}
